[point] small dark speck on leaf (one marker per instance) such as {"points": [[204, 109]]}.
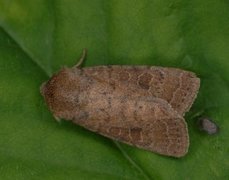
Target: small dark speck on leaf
{"points": [[207, 125]]}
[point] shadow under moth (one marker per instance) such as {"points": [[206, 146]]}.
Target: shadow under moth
{"points": [[142, 106]]}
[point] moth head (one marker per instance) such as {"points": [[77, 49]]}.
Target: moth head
{"points": [[61, 93]]}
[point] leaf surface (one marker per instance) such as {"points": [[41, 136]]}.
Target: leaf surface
{"points": [[39, 37]]}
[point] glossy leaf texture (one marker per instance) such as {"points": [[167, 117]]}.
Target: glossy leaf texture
{"points": [[39, 37]]}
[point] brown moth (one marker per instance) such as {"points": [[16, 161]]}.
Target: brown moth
{"points": [[142, 106]]}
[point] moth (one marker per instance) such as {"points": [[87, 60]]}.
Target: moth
{"points": [[141, 106]]}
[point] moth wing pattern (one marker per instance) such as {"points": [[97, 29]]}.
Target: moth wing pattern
{"points": [[146, 123], [178, 87]]}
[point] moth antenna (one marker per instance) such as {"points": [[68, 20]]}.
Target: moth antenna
{"points": [[82, 58]]}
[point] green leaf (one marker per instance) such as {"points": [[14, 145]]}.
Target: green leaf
{"points": [[39, 37]]}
